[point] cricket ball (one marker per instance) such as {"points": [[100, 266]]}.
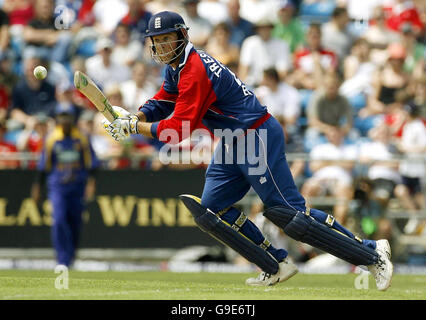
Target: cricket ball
{"points": [[40, 72]]}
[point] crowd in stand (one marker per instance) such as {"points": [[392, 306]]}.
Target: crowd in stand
{"points": [[346, 78]]}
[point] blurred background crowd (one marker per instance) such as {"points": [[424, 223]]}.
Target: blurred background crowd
{"points": [[346, 78]]}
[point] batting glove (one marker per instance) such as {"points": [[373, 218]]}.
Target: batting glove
{"points": [[122, 127]]}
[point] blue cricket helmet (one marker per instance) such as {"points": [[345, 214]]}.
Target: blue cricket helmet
{"points": [[165, 22]]}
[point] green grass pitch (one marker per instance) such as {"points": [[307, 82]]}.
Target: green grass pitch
{"points": [[161, 285]]}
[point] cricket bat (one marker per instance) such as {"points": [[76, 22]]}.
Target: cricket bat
{"points": [[87, 87]]}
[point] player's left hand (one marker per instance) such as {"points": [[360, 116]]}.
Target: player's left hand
{"points": [[122, 127]]}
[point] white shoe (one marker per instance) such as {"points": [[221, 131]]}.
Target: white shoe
{"points": [[286, 270], [383, 269]]}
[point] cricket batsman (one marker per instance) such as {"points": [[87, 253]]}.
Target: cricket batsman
{"points": [[200, 91]]}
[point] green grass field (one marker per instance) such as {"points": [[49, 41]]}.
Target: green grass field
{"points": [[27, 285]]}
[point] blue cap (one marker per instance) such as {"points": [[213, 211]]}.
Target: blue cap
{"points": [[165, 22]]}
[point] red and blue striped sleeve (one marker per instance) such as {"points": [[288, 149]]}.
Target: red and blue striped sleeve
{"points": [[196, 94]]}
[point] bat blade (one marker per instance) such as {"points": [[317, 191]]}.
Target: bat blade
{"points": [[87, 87]]}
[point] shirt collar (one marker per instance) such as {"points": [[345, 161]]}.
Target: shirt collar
{"points": [[185, 56]]}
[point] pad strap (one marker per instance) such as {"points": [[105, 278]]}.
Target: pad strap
{"points": [[265, 244], [237, 225], [329, 221]]}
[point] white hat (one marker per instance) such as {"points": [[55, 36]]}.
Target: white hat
{"points": [[104, 43], [264, 21]]}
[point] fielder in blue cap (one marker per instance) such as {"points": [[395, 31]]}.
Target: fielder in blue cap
{"points": [[200, 92]]}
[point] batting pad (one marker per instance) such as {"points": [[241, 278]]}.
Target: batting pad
{"points": [[210, 223], [305, 228]]}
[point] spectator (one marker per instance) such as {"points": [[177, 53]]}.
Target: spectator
{"points": [[253, 9], [137, 19], [260, 52], [199, 28], [86, 16], [32, 139], [381, 178], [80, 100], [6, 148], [331, 165], [283, 102], [4, 31], [361, 11], [126, 51], [335, 34], [20, 12], [85, 30], [387, 82], [219, 46], [378, 156], [394, 118], [8, 80], [379, 37], [108, 13], [240, 27], [31, 96], [328, 111], [42, 35], [357, 60], [213, 10], [312, 61], [419, 93], [162, 5], [65, 99], [412, 169], [85, 123], [289, 27], [281, 99], [416, 51], [66, 13], [368, 210], [137, 90], [113, 94], [401, 12], [358, 71], [102, 69]]}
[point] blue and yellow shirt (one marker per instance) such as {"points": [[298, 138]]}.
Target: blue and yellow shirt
{"points": [[67, 159]]}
